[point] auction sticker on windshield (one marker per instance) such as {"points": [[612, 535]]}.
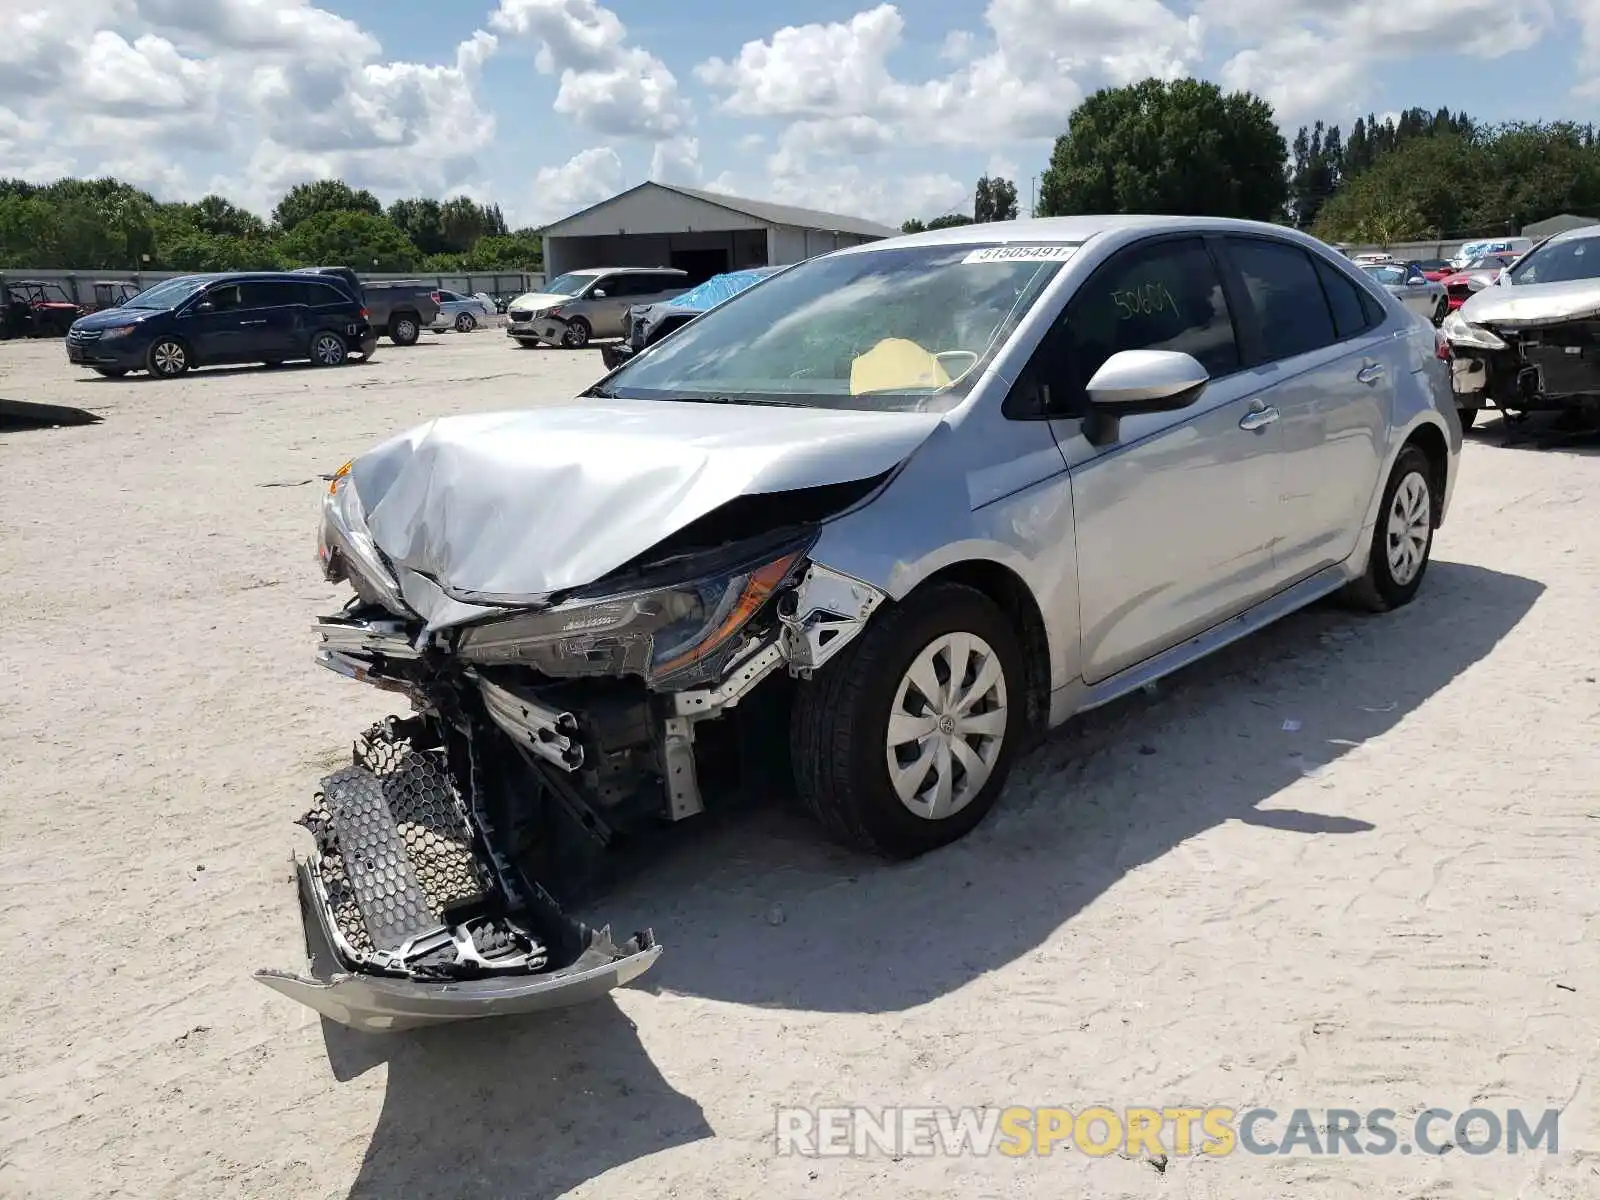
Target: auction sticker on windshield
{"points": [[1021, 254]]}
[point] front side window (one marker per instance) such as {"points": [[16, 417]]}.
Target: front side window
{"points": [[225, 296], [1282, 285], [1163, 296], [906, 328]]}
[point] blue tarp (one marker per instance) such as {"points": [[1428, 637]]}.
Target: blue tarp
{"points": [[719, 288]]}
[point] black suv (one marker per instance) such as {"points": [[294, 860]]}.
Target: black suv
{"points": [[205, 320]]}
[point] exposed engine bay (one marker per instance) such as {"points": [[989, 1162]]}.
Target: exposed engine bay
{"points": [[1546, 368], [540, 738]]}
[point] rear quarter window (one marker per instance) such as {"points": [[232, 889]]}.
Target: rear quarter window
{"points": [[1345, 296]]}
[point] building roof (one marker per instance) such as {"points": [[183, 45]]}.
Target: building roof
{"points": [[760, 210], [1559, 223]]}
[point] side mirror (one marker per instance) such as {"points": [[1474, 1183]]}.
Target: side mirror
{"points": [[1131, 382], [1415, 281], [598, 294], [205, 306]]}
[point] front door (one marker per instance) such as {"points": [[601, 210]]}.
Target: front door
{"points": [[1175, 516], [605, 314]]}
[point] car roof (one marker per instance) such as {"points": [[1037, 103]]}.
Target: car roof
{"points": [[1078, 229], [626, 271]]}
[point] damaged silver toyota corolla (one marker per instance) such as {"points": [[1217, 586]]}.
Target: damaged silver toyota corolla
{"points": [[907, 505], [1530, 342]]}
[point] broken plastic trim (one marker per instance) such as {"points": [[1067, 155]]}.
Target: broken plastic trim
{"points": [[823, 615]]}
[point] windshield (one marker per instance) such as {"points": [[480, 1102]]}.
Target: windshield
{"points": [[897, 329], [567, 285], [1388, 274], [167, 294], [1558, 262]]}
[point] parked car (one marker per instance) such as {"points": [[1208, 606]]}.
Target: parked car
{"points": [[647, 324], [1478, 274], [461, 313], [111, 293], [1372, 258], [36, 308], [1412, 288], [581, 305], [1530, 342], [912, 503], [1433, 268], [1472, 251], [239, 317], [400, 310]]}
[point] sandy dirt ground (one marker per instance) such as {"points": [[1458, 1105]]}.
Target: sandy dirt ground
{"points": [[1351, 863]]}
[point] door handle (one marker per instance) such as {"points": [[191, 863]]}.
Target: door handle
{"points": [[1258, 418], [1369, 375], [252, 322]]}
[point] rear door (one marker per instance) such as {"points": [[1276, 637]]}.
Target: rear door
{"points": [[1315, 344]]}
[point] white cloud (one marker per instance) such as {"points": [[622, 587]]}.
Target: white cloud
{"points": [[876, 193], [606, 86], [586, 178], [141, 87], [676, 160]]}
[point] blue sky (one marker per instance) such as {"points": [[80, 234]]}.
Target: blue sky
{"points": [[880, 110]]}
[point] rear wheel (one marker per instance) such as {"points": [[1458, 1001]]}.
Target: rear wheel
{"points": [[1469, 417], [168, 358], [1402, 538], [903, 742], [1441, 310], [328, 350], [576, 335], [465, 322], [405, 329]]}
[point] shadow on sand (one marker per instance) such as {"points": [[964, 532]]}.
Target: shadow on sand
{"points": [[531, 1107], [18, 416]]}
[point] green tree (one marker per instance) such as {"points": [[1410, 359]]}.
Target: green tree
{"points": [[353, 239], [220, 217], [306, 200], [995, 200], [1421, 190], [520, 251], [950, 221], [1183, 146], [421, 220], [914, 225]]}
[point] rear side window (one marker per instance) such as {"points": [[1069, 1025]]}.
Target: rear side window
{"points": [[1160, 296], [274, 294], [1350, 317], [1293, 316]]}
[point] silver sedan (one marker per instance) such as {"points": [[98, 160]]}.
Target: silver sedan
{"points": [[1407, 284], [461, 313], [911, 503]]}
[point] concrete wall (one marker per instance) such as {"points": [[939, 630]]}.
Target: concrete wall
{"points": [[80, 284]]}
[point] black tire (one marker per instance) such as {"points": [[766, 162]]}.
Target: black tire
{"points": [[328, 349], [1469, 417], [527, 343], [111, 372], [1380, 589], [405, 328], [839, 727], [1442, 310], [167, 358], [465, 322], [577, 334]]}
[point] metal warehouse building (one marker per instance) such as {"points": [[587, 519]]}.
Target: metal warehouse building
{"points": [[703, 233]]}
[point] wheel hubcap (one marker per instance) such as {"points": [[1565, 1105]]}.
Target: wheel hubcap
{"points": [[407, 329], [947, 725], [329, 351], [169, 357], [1410, 522]]}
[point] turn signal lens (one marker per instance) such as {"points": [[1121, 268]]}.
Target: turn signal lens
{"points": [[758, 587], [333, 480]]}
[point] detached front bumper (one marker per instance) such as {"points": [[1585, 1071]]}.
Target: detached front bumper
{"points": [[548, 330], [411, 915]]}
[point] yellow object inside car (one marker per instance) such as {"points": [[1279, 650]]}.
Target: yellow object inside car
{"points": [[896, 364]]}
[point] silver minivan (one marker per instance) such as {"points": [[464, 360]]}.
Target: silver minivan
{"points": [[580, 305], [863, 533]]}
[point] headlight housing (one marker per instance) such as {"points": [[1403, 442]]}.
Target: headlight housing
{"points": [[1462, 332], [346, 550], [668, 635], [117, 331]]}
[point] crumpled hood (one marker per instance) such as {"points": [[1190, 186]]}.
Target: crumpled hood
{"points": [[1534, 303], [538, 300], [514, 505]]}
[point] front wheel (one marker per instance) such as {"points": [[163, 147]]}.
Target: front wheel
{"points": [[111, 372], [1402, 538], [1441, 310], [1469, 417], [903, 742], [168, 358], [465, 323], [328, 350], [576, 335]]}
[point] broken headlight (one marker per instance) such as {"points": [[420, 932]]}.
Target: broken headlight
{"points": [[662, 634], [346, 550], [1462, 332]]}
